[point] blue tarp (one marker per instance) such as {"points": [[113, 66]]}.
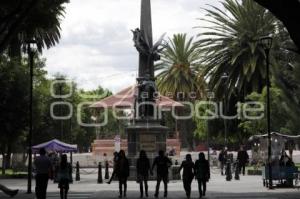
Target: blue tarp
{"points": [[55, 145]]}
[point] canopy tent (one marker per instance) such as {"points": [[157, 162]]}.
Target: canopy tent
{"points": [[126, 98], [274, 135], [55, 145], [278, 144]]}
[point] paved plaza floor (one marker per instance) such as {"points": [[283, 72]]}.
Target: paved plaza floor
{"points": [[247, 187]]}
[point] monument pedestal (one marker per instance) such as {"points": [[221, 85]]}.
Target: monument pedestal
{"points": [[146, 135]]}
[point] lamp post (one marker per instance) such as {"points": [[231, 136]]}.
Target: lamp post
{"points": [[266, 43], [210, 95], [224, 78], [30, 52]]}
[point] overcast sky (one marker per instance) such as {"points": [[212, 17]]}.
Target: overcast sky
{"points": [[96, 46]]}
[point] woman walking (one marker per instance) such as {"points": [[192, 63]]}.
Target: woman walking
{"points": [[122, 172], [143, 169], [64, 174], [188, 174], [202, 173]]}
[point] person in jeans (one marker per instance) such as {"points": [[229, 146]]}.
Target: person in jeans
{"points": [[188, 174], [202, 173], [143, 169], [162, 164], [122, 172], [64, 174], [43, 168]]}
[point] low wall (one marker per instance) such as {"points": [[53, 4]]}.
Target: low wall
{"points": [[99, 147]]}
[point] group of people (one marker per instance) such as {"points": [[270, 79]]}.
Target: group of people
{"points": [[241, 160], [199, 170], [45, 171]]}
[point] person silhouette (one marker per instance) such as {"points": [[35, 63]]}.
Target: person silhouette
{"points": [[188, 174], [223, 159], [64, 175], [115, 160], [242, 158], [43, 167], [162, 164], [122, 172], [143, 169], [202, 173], [8, 191]]}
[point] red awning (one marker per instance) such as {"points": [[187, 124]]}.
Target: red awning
{"points": [[125, 99]]}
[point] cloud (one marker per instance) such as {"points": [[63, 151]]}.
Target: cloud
{"points": [[96, 47]]}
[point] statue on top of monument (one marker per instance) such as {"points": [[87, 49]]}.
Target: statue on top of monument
{"points": [[142, 45]]}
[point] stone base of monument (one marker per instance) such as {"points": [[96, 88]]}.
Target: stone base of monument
{"points": [[148, 135]]}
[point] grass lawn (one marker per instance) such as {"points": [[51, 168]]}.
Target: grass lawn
{"points": [[10, 172]]}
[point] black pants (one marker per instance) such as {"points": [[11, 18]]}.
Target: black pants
{"points": [[187, 186], [41, 181], [242, 168], [202, 187], [222, 164], [122, 181], [165, 181], [64, 188], [143, 182]]}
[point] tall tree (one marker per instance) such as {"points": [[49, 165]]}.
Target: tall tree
{"points": [[230, 46], [178, 70], [178, 75], [21, 20], [13, 99]]}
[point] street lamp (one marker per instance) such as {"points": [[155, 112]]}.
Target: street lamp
{"points": [[266, 43], [210, 95], [30, 51], [224, 78]]}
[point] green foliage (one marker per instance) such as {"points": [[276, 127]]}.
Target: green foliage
{"points": [[179, 75], [178, 71], [30, 19], [230, 45], [280, 116]]}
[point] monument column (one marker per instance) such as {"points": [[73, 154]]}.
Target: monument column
{"points": [[146, 132]]}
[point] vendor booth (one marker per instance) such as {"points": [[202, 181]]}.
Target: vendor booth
{"points": [[53, 148], [56, 146], [283, 169]]}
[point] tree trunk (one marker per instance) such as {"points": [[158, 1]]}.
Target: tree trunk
{"points": [[8, 157]]}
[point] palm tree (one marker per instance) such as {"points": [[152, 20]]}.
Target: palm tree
{"points": [[42, 23], [230, 45], [178, 74], [178, 70]]}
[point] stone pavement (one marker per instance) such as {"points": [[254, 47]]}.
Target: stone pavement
{"points": [[249, 187]]}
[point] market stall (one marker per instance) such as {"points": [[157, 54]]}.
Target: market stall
{"points": [[283, 168]]}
